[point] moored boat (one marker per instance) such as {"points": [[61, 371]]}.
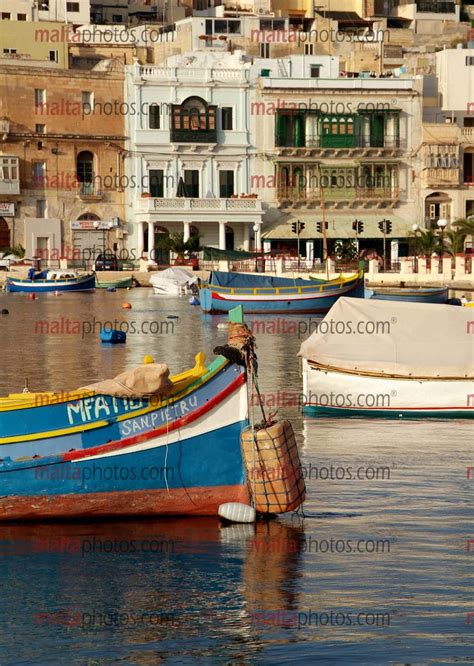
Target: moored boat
{"points": [[119, 283], [398, 360], [409, 294], [53, 280], [265, 294], [142, 444], [174, 281]]}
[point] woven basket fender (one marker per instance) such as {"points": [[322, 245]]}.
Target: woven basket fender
{"points": [[273, 468]]}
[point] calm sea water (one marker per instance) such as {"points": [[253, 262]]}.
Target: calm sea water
{"points": [[379, 571]]}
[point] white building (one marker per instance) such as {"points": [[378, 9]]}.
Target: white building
{"points": [[76, 12], [190, 151]]}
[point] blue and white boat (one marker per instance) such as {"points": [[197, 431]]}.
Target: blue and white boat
{"points": [[88, 453], [409, 294], [39, 282], [264, 294]]}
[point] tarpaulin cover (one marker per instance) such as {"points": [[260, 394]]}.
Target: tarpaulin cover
{"points": [[251, 281], [393, 337], [177, 275], [143, 381]]}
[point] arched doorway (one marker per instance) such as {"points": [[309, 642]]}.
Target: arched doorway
{"points": [[85, 171], [437, 205], [4, 234]]}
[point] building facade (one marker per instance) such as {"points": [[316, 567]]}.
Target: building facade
{"points": [[191, 152], [338, 151], [62, 151]]}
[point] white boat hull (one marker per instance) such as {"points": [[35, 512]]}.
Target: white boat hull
{"points": [[332, 393]]}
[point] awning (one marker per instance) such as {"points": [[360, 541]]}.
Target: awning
{"points": [[339, 225]]}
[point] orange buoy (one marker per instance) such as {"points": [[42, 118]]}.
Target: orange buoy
{"points": [[32, 297], [126, 306]]}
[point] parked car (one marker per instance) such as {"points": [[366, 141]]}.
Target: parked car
{"points": [[107, 262]]}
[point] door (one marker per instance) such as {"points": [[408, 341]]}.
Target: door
{"points": [[377, 131]]}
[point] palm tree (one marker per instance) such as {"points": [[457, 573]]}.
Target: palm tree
{"points": [[466, 225], [175, 243], [456, 238], [427, 241]]}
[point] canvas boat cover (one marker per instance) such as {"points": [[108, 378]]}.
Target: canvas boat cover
{"points": [[251, 281], [393, 337], [178, 276], [147, 380]]}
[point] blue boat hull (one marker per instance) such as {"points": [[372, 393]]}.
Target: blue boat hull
{"points": [[86, 283], [319, 301]]}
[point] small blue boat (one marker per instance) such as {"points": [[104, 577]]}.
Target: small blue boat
{"points": [[409, 294], [52, 280], [264, 294]]}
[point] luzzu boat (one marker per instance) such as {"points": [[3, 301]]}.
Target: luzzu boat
{"points": [[178, 453], [52, 281], [392, 360], [260, 294]]}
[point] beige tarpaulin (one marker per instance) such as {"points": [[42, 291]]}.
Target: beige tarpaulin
{"points": [[141, 382], [394, 337]]}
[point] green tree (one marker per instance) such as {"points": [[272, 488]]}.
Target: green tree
{"points": [[455, 238], [175, 243], [427, 242], [466, 225], [16, 250]]}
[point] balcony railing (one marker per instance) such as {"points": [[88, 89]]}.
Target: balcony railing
{"points": [[335, 142], [201, 205], [436, 7], [89, 192], [439, 175], [339, 194], [193, 136]]}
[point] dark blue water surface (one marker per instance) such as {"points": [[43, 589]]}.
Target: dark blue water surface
{"points": [[379, 571]]}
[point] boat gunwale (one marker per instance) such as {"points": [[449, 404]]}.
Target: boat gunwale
{"points": [[29, 281], [213, 369], [322, 367], [316, 288]]}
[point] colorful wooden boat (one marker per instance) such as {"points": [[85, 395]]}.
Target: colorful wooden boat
{"points": [[120, 283], [397, 360], [85, 454], [52, 281], [273, 295], [409, 294]]}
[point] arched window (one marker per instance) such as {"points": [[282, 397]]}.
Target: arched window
{"points": [[85, 171], [88, 216], [194, 115]]}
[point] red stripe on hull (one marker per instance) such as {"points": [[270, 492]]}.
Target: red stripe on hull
{"points": [[176, 502], [163, 430]]}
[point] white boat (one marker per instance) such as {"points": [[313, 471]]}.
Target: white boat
{"points": [[372, 358], [173, 281]]}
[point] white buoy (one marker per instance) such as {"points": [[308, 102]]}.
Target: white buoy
{"points": [[223, 324], [237, 512]]}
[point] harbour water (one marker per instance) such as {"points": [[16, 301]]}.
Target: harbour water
{"points": [[377, 571]]}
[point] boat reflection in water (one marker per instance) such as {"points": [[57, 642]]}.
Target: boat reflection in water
{"points": [[169, 583]]}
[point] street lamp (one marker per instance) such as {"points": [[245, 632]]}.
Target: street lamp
{"points": [[256, 229], [416, 228]]}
